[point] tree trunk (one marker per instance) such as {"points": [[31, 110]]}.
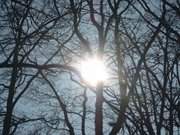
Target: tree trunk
{"points": [[9, 107], [99, 111]]}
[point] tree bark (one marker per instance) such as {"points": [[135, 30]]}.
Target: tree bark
{"points": [[9, 107], [99, 110]]}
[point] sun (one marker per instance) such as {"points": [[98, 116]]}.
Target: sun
{"points": [[93, 71]]}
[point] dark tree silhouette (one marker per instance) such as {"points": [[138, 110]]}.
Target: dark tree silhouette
{"points": [[42, 90]]}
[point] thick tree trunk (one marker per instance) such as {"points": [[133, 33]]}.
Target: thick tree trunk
{"points": [[99, 110], [9, 107], [12, 87]]}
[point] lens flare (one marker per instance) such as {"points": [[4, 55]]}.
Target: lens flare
{"points": [[93, 71]]}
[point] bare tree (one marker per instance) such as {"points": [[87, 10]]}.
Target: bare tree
{"points": [[40, 42]]}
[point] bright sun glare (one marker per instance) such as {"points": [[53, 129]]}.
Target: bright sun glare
{"points": [[93, 71]]}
